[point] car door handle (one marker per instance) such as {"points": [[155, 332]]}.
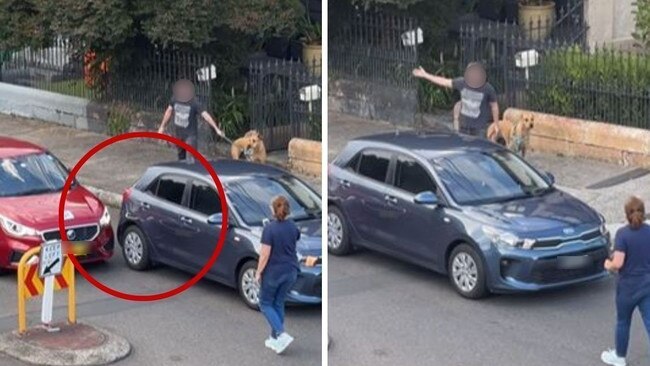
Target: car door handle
{"points": [[186, 220], [145, 205], [390, 199], [344, 183]]}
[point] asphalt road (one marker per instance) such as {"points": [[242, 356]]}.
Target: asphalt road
{"points": [[386, 312], [206, 325]]}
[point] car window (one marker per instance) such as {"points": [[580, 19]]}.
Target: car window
{"points": [[204, 199], [488, 177], [374, 165], [353, 163], [412, 177], [171, 188], [31, 174]]}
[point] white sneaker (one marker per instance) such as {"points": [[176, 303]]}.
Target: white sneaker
{"points": [[271, 343], [611, 358], [283, 341]]}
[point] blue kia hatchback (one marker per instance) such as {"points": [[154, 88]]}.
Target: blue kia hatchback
{"points": [[465, 207], [172, 215]]}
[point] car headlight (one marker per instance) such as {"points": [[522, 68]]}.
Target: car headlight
{"points": [[502, 238], [15, 229], [106, 218]]}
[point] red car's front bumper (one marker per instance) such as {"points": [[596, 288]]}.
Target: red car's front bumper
{"points": [[12, 249]]}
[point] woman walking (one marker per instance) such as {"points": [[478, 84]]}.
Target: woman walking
{"points": [[277, 271], [631, 260]]}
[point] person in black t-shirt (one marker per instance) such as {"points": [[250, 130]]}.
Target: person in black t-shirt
{"points": [[478, 105], [185, 110]]}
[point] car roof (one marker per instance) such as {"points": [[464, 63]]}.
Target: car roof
{"points": [[431, 143], [225, 168], [10, 147]]}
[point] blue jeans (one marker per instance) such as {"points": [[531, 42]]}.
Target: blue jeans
{"points": [[630, 294], [276, 284]]}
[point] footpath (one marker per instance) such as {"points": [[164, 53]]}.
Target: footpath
{"points": [[114, 168], [604, 186]]}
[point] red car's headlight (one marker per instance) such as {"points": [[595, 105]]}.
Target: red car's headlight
{"points": [[106, 218], [15, 229]]}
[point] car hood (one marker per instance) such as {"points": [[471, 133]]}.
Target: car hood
{"points": [[311, 238], [41, 212], [556, 213]]}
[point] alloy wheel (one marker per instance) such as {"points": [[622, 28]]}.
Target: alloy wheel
{"points": [[464, 272], [334, 231], [133, 248], [250, 287]]}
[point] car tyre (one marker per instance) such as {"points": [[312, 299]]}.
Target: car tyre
{"points": [[338, 239], [249, 289], [136, 249], [467, 272]]}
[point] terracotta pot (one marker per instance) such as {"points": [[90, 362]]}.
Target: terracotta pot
{"points": [[312, 57], [536, 21]]}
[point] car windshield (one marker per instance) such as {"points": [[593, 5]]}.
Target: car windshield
{"points": [[31, 174], [487, 177], [252, 196]]}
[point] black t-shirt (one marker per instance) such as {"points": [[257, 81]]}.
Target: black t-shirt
{"points": [[475, 110], [186, 117]]}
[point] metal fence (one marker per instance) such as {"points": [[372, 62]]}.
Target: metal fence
{"points": [[143, 83], [496, 44], [376, 47], [284, 101], [598, 84]]}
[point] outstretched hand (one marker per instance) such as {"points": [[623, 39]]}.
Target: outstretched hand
{"points": [[419, 72]]}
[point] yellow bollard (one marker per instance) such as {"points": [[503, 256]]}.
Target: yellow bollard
{"points": [[68, 274]]}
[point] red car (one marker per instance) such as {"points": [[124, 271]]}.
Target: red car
{"points": [[31, 180]]}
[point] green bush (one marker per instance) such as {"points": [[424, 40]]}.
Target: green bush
{"points": [[232, 112], [119, 119], [602, 85]]}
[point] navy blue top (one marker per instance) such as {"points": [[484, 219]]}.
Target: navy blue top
{"points": [[636, 246], [282, 237]]}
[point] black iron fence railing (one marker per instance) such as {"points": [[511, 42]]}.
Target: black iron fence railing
{"points": [[284, 101], [376, 47]]}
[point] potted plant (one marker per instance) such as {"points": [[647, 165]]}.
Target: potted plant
{"points": [[312, 44], [536, 18]]}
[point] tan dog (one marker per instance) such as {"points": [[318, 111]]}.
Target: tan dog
{"points": [[251, 145], [513, 135]]}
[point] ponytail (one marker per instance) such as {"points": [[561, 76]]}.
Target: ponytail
{"points": [[280, 207], [635, 212]]}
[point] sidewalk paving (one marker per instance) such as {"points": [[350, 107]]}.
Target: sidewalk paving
{"points": [[114, 168], [574, 175]]}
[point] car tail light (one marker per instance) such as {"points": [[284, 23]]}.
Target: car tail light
{"points": [[126, 194]]}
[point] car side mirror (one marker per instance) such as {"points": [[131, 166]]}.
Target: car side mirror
{"points": [[550, 178], [216, 219], [426, 198]]}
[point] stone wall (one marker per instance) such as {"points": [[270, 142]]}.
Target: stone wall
{"points": [[305, 157], [373, 101], [581, 138], [610, 21]]}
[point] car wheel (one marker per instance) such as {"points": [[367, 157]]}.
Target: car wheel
{"points": [[338, 240], [135, 249], [249, 289], [466, 272]]}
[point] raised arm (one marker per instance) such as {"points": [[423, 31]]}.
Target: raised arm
{"points": [[438, 80]]}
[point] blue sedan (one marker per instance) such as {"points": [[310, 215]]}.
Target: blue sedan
{"points": [[172, 216], [464, 207]]}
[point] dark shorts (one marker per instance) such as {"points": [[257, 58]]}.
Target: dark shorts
{"points": [[473, 131], [182, 153]]}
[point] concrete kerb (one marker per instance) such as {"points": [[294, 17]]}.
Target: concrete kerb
{"points": [[109, 198], [113, 348]]}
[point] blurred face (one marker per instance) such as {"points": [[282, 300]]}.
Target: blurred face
{"points": [[475, 76], [184, 90]]}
